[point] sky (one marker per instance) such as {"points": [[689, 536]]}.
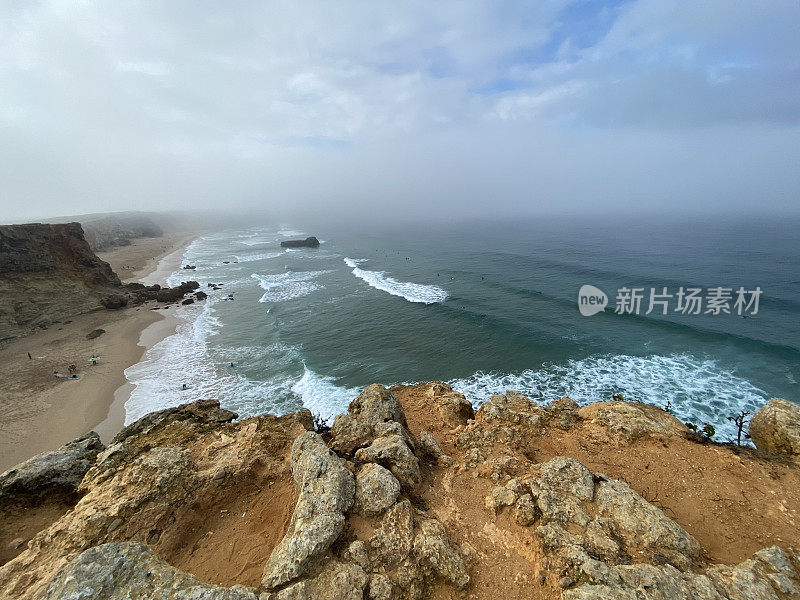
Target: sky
{"points": [[392, 109]]}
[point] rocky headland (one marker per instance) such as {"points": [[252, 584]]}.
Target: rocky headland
{"points": [[49, 273], [410, 494]]}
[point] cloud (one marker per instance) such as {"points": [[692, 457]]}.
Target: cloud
{"points": [[289, 105]]}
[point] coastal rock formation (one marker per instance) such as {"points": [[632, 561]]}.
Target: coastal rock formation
{"points": [[126, 570], [775, 427], [400, 501], [107, 232], [60, 471], [48, 273], [326, 489], [309, 242]]}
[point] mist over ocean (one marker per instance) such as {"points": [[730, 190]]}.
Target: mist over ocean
{"points": [[487, 307]]}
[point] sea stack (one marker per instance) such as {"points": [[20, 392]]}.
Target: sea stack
{"points": [[309, 242]]}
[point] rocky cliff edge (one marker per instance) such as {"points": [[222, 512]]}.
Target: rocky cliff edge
{"points": [[410, 494]]}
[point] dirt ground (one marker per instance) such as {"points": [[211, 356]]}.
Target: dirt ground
{"points": [[734, 502]]}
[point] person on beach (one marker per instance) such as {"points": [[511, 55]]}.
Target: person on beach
{"points": [[93, 360], [29, 356]]}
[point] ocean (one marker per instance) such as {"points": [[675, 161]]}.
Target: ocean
{"points": [[486, 307]]}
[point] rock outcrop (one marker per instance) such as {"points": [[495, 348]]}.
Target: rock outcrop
{"points": [[309, 242], [127, 570], [191, 504], [775, 427], [326, 489], [60, 471], [107, 232], [48, 273]]}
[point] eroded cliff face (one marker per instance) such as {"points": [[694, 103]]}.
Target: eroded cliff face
{"points": [[410, 495], [105, 233], [48, 273]]}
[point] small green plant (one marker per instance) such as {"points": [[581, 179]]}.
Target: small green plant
{"points": [[708, 431], [740, 420], [691, 426], [618, 397]]}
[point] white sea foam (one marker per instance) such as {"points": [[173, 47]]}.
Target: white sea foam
{"points": [[258, 256], [697, 389], [413, 292], [321, 395], [285, 286], [290, 233]]}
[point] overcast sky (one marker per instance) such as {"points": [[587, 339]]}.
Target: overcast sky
{"points": [[387, 108]]}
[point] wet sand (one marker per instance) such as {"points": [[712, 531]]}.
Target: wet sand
{"points": [[42, 412]]}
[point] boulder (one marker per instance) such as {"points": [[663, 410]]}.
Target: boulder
{"points": [[775, 427], [125, 570], [205, 413], [434, 552], [584, 515], [393, 452], [376, 490], [115, 301], [60, 470], [335, 581], [326, 490], [393, 539], [356, 428], [453, 407], [630, 421]]}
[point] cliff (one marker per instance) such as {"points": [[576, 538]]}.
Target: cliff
{"points": [[105, 233], [410, 494], [48, 273]]}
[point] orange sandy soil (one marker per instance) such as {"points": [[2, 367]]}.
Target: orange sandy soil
{"points": [[734, 501]]}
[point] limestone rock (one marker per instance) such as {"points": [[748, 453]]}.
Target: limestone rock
{"points": [[60, 470], [434, 552], [453, 407], [354, 429], [641, 525], [394, 537], [125, 570], [335, 581], [775, 427], [376, 490], [381, 588], [431, 447], [206, 412], [326, 489], [583, 514], [393, 453], [630, 421]]}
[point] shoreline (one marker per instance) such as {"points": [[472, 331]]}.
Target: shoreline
{"points": [[149, 336], [41, 412]]}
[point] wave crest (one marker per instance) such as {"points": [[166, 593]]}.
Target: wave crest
{"points": [[697, 389], [413, 292]]}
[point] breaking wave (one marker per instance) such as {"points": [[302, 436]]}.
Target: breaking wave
{"points": [[697, 390], [413, 292], [285, 286]]}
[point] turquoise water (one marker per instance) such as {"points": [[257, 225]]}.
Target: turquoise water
{"points": [[487, 307]]}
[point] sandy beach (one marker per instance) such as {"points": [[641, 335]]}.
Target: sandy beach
{"points": [[42, 412]]}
